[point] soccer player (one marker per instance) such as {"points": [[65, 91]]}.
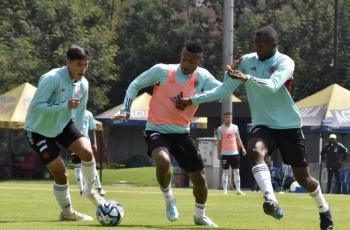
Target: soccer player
{"points": [[88, 129], [229, 144], [168, 127], [58, 102], [266, 75]]}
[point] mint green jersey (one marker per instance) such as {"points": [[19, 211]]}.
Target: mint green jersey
{"points": [[269, 99], [219, 137], [48, 112], [158, 74], [89, 124]]}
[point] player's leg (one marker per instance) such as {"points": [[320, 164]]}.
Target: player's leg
{"points": [[77, 171], [337, 179], [329, 179], [158, 149], [235, 171], [76, 142], [225, 173], [99, 188], [185, 151], [291, 143], [48, 152], [260, 144]]}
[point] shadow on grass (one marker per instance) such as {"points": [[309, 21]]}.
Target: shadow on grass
{"points": [[184, 226], [28, 221]]}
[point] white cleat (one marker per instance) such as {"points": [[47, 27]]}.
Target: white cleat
{"points": [[101, 191], [75, 216], [205, 221], [171, 211], [95, 198]]}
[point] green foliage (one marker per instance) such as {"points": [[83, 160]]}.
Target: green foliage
{"points": [[128, 37], [38, 33]]}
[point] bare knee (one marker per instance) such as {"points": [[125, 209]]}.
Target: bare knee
{"points": [[86, 154], [161, 158], [256, 152]]}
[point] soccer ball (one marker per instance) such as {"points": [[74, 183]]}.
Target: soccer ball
{"points": [[110, 213], [294, 187]]}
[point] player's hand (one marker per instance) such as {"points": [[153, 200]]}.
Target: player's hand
{"points": [[235, 74], [244, 152], [73, 103], [182, 103], [121, 116], [236, 63]]}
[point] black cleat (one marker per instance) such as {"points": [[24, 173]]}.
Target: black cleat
{"points": [[273, 209], [326, 222]]}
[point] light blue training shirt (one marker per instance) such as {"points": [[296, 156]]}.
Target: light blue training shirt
{"points": [[269, 100], [48, 113]]}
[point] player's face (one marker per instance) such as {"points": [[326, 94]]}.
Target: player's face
{"points": [[265, 47], [227, 119], [77, 68], [190, 61]]}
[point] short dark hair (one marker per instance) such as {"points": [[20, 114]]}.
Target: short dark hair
{"points": [[227, 113], [76, 52], [194, 47], [267, 31]]}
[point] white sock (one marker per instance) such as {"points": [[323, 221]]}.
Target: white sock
{"points": [[237, 179], [225, 179], [78, 176], [263, 178], [168, 192], [319, 200], [61, 193], [97, 182], [199, 210], [89, 177]]}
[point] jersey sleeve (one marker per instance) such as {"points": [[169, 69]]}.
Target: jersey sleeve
{"points": [[218, 134], [146, 79], [237, 132], [220, 92], [46, 88]]}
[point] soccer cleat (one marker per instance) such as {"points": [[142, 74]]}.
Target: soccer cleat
{"points": [[240, 193], [205, 221], [326, 222], [225, 192], [101, 191], [171, 211], [273, 209], [95, 198], [75, 216]]}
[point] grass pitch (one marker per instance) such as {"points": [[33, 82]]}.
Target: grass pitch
{"points": [[30, 205]]}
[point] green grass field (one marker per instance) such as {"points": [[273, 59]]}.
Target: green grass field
{"points": [[30, 205]]}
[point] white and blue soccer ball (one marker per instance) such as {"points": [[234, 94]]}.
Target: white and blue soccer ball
{"points": [[294, 187], [110, 213]]}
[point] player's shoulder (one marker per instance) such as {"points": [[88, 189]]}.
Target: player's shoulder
{"points": [[88, 113], [250, 57], [84, 81], [284, 58], [202, 72], [53, 76], [162, 66]]}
